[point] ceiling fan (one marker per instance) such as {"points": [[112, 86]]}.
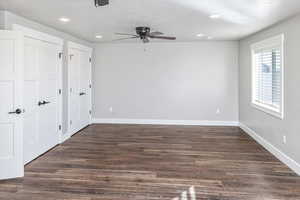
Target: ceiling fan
{"points": [[145, 34]]}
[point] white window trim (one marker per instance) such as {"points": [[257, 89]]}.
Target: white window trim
{"points": [[274, 41]]}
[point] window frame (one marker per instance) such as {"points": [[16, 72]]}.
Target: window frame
{"points": [[276, 41]]}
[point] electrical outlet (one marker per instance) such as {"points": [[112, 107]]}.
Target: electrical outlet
{"points": [[284, 139], [218, 111]]}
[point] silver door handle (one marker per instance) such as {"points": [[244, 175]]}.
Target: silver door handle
{"points": [[41, 103], [46, 102]]}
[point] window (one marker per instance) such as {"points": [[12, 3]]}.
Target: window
{"points": [[267, 75]]}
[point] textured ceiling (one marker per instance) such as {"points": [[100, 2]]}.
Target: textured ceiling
{"points": [[182, 18]]}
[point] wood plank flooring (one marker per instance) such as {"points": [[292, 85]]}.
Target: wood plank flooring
{"points": [[144, 162]]}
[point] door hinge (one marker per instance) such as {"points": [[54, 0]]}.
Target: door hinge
{"points": [[71, 122], [90, 60], [71, 90], [59, 127], [59, 91], [90, 85], [90, 112], [60, 54]]}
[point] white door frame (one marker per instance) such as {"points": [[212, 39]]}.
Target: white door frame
{"points": [[31, 33], [73, 45]]}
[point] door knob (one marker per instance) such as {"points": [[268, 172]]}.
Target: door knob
{"points": [[82, 93], [40, 103], [18, 111]]}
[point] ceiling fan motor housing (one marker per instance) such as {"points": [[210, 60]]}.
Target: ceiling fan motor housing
{"points": [[101, 3], [143, 32]]}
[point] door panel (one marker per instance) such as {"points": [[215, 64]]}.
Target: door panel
{"points": [[7, 49], [11, 135], [31, 98], [7, 99], [7, 140]]}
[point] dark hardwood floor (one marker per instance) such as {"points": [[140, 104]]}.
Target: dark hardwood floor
{"points": [[143, 162]]}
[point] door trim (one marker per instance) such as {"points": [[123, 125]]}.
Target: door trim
{"points": [[28, 32], [73, 45]]}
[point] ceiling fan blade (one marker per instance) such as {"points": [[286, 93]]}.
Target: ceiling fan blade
{"points": [[163, 37], [126, 34], [125, 38], [156, 33]]}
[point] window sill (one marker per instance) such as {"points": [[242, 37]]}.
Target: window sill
{"points": [[267, 110]]}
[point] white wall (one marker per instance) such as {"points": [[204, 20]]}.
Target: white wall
{"points": [[166, 81], [1, 19], [11, 18], [268, 127]]}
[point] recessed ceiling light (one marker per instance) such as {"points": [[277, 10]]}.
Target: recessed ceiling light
{"points": [[215, 16], [99, 36], [64, 19], [200, 35]]}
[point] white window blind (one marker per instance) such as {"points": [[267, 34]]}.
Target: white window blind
{"points": [[268, 75]]}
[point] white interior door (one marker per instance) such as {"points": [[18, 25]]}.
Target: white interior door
{"points": [[85, 90], [80, 87], [41, 97], [11, 106], [74, 101], [42, 92], [49, 95]]}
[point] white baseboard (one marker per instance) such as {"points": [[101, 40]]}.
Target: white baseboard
{"points": [[64, 137], [165, 122], [70, 133], [272, 149]]}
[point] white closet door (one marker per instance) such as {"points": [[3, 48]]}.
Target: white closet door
{"points": [[42, 83], [74, 102], [48, 90], [31, 99], [11, 106], [85, 90], [79, 84]]}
